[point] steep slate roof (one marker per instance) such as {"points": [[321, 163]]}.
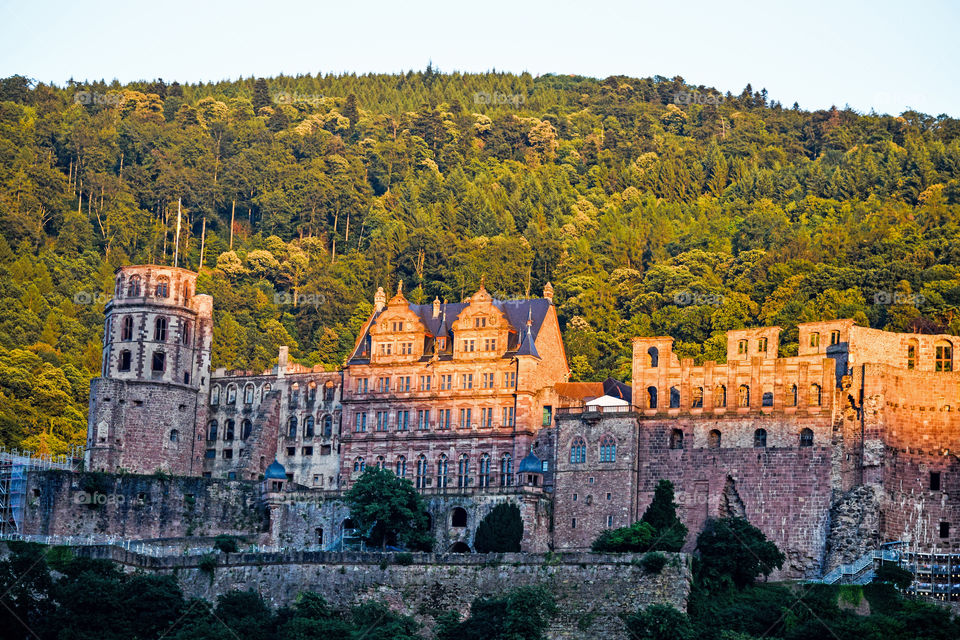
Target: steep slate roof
{"points": [[517, 312], [617, 389]]}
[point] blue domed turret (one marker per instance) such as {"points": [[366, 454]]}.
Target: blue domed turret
{"points": [[275, 471], [531, 464]]}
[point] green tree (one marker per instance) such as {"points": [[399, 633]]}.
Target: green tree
{"points": [[261, 95], [500, 531], [660, 622], [734, 552], [661, 515], [636, 537], [388, 510]]}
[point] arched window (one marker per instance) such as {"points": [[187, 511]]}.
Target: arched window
{"points": [[246, 428], [743, 396], [713, 439], [118, 292], [676, 439], [608, 449], [228, 430], [292, 427], [248, 394], [651, 397], [767, 399], [308, 427], [815, 395], [328, 391], [163, 287], [215, 395], [793, 396], [231, 394], [697, 401], [381, 462], [442, 471], [760, 438], [124, 363], [421, 471], [720, 396], [212, 430], [463, 471], [160, 329], [814, 339], [578, 451], [133, 289], [912, 354], [311, 391], [186, 292], [185, 332], [484, 476], [654, 357], [674, 398], [943, 350], [359, 465], [126, 328], [327, 426], [174, 435], [458, 518], [506, 470], [401, 467], [806, 438]]}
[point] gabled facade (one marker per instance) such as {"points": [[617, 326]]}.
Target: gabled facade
{"points": [[452, 396]]}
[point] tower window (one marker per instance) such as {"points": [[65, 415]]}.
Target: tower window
{"points": [[159, 361], [126, 328], [160, 329], [944, 356], [934, 481], [163, 287], [944, 529], [124, 362]]}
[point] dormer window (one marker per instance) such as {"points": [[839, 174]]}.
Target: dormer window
{"points": [[397, 326], [441, 343], [479, 323]]}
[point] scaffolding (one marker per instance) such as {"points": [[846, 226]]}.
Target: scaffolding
{"points": [[936, 575], [14, 466]]}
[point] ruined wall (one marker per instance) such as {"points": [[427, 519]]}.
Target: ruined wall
{"points": [[139, 507], [310, 518], [592, 591]]}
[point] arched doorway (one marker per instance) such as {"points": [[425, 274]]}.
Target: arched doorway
{"points": [[460, 547]]}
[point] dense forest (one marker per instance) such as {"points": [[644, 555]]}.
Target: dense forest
{"points": [[652, 206]]}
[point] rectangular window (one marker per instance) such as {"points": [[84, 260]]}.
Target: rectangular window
{"points": [[444, 419], [326, 449], [423, 419], [466, 417], [159, 361], [446, 382], [834, 337], [944, 529], [403, 420], [573, 524], [386, 348], [403, 383], [486, 418], [742, 346], [469, 345], [383, 385], [911, 357], [361, 422], [291, 451], [425, 383], [308, 451], [210, 453], [228, 454], [479, 322], [510, 380], [441, 344], [124, 364], [609, 521], [762, 345], [397, 326], [466, 381], [362, 385], [547, 415], [934, 481], [487, 381], [406, 348], [508, 416], [814, 339], [381, 420], [490, 344], [944, 361]]}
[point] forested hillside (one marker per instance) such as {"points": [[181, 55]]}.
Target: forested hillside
{"points": [[654, 208]]}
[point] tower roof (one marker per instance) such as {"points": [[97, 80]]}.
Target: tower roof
{"points": [[531, 464], [275, 471]]}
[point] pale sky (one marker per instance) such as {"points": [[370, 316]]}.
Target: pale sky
{"points": [[889, 56]]}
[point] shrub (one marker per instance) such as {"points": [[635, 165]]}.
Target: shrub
{"points": [[654, 562], [636, 537], [500, 531], [890, 573], [208, 563], [669, 532], [404, 559], [225, 543], [660, 622]]}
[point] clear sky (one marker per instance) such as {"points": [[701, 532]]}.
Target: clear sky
{"points": [[877, 54]]}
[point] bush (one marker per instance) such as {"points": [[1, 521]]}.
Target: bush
{"points": [[500, 531], [225, 543], [404, 559], [660, 622], [654, 562], [636, 537], [208, 563], [890, 573]]}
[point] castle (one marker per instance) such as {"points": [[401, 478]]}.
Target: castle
{"points": [[849, 444]]}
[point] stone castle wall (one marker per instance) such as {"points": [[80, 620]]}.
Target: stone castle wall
{"points": [[592, 591]]}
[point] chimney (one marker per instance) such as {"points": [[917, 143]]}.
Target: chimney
{"points": [[436, 307], [548, 292], [379, 300]]}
